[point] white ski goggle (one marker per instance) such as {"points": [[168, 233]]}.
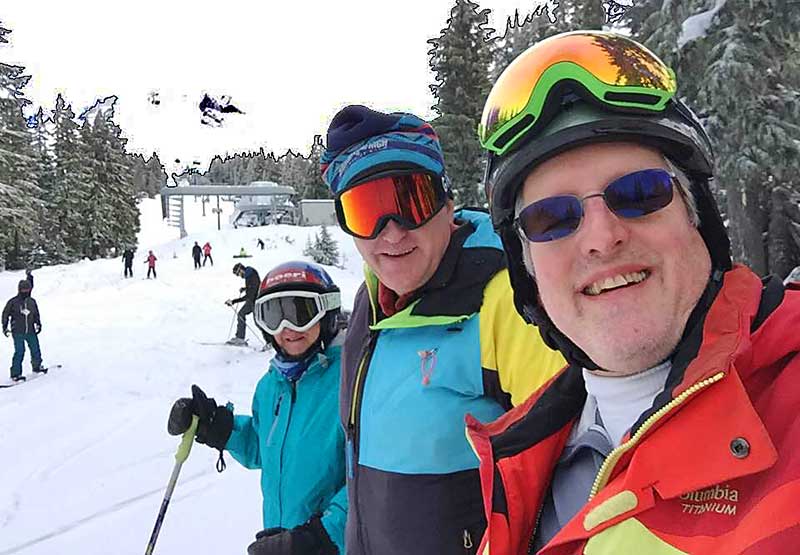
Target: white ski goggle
{"points": [[296, 310]]}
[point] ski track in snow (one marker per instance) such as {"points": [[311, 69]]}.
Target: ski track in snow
{"points": [[85, 452]]}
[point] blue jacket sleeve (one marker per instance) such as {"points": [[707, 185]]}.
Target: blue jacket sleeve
{"points": [[243, 443], [334, 518]]}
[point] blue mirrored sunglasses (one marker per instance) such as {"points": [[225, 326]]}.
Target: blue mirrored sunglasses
{"points": [[631, 196]]}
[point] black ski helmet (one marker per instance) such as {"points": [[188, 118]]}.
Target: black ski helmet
{"points": [[24, 286], [580, 119], [298, 275]]}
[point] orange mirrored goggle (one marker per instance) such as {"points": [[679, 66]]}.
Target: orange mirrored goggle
{"points": [[411, 199], [603, 67]]}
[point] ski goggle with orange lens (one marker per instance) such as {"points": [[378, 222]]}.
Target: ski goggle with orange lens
{"points": [[611, 69], [410, 199]]}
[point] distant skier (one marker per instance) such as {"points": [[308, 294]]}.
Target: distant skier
{"points": [[207, 253], [151, 264], [29, 276], [261, 244], [196, 253], [252, 282], [22, 313], [127, 259]]}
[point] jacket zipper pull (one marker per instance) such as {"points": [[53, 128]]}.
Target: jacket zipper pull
{"points": [[278, 405]]}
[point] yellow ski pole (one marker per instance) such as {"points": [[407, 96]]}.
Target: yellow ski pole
{"points": [[180, 457]]}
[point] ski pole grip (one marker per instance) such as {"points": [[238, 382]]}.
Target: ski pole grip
{"points": [[186, 441]]}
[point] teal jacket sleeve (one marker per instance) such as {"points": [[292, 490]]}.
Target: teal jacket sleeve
{"points": [[334, 518], [243, 443]]}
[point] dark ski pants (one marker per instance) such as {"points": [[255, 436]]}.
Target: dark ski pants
{"points": [[128, 271], [151, 269], [241, 323], [208, 257], [197, 263], [19, 352]]}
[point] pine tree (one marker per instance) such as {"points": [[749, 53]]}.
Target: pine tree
{"points": [[327, 247], [311, 249], [19, 193], [156, 176], [70, 193], [742, 75], [315, 187], [460, 58], [112, 215]]}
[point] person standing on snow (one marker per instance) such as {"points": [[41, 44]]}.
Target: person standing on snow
{"points": [[151, 264], [21, 315], [127, 259], [293, 435], [207, 253], [196, 253], [433, 337], [250, 291]]}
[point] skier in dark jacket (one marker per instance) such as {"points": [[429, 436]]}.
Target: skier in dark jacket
{"points": [[127, 258], [197, 252], [21, 315], [250, 290]]}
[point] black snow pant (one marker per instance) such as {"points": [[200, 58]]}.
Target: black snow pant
{"points": [[151, 269], [196, 262], [128, 270], [241, 323], [208, 257]]}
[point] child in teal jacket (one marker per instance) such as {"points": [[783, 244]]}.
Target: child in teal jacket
{"points": [[293, 434]]}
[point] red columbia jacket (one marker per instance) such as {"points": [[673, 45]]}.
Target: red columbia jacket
{"points": [[713, 468]]}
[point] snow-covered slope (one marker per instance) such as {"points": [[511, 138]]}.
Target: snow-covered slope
{"points": [[85, 453]]}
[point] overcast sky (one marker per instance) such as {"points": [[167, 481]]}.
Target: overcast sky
{"points": [[290, 65]]}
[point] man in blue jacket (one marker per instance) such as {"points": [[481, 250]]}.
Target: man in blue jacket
{"points": [[21, 314], [433, 337], [293, 434]]}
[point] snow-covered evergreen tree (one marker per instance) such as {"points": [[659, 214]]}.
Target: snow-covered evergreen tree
{"points": [[328, 247], [460, 58], [738, 66], [71, 188], [323, 249], [111, 213], [19, 193]]}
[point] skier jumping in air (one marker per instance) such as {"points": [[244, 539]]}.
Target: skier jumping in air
{"points": [[21, 314], [293, 435]]}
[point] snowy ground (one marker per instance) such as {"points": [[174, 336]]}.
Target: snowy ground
{"points": [[85, 456]]}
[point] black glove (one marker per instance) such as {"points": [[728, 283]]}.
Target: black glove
{"points": [[215, 425], [37, 328], [307, 539]]}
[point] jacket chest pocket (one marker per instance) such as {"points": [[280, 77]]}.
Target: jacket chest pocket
{"points": [[442, 358]]}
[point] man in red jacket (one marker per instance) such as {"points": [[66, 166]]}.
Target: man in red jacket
{"points": [[675, 428]]}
